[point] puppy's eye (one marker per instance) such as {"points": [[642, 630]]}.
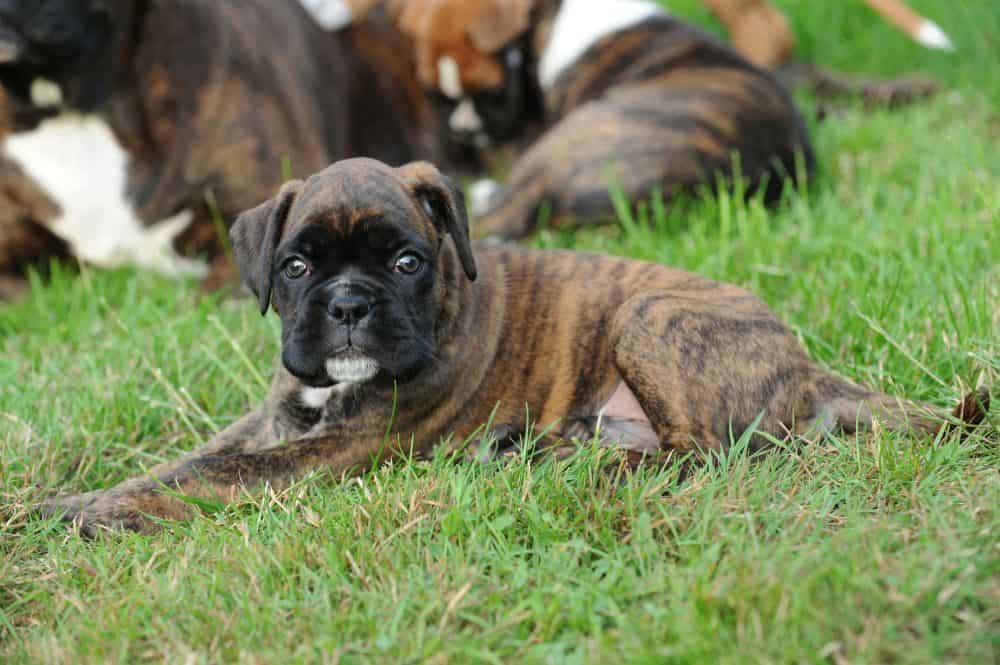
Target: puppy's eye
{"points": [[407, 263], [295, 268]]}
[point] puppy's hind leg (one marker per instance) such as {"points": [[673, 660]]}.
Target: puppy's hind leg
{"points": [[847, 408], [706, 362], [706, 365]]}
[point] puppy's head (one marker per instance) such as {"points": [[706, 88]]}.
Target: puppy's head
{"points": [[473, 52], [66, 43], [363, 263]]}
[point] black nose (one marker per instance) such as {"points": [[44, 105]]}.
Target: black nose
{"points": [[349, 308]]}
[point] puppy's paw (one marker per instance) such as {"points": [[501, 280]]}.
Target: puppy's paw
{"points": [[67, 506], [95, 513], [493, 444]]}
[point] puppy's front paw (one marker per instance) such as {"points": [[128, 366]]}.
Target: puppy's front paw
{"points": [[98, 512]]}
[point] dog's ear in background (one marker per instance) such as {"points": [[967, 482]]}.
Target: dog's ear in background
{"points": [[499, 23], [442, 200], [255, 235]]}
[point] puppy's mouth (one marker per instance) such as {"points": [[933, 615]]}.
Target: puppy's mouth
{"points": [[351, 366]]}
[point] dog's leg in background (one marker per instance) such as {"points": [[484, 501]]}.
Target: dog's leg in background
{"points": [[921, 29], [757, 29], [705, 365], [760, 32]]}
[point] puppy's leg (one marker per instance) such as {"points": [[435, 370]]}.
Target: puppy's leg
{"points": [[235, 460], [705, 365]]}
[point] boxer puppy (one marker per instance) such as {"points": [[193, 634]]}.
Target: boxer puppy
{"points": [[632, 97], [186, 105], [398, 337]]}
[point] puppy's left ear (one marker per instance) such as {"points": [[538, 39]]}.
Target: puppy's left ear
{"points": [[441, 199], [255, 235]]}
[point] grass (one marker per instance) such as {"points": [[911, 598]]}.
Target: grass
{"points": [[878, 549]]}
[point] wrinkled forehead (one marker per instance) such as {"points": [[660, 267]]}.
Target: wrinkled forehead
{"points": [[356, 198]]}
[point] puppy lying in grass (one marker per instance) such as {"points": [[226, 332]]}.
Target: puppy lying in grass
{"points": [[400, 336]]}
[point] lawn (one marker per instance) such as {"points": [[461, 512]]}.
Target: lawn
{"points": [[875, 549]]}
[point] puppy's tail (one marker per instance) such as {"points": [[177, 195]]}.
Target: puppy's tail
{"points": [[848, 408]]}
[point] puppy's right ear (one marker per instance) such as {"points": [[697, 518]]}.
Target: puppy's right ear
{"points": [[255, 235]]}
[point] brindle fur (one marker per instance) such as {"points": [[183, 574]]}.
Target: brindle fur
{"points": [[25, 241], [219, 96], [516, 333], [25, 210], [661, 105], [215, 100]]}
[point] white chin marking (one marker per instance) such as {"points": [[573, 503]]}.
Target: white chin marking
{"points": [[330, 14], [77, 161], [45, 93], [581, 23], [932, 36], [354, 368], [449, 77], [315, 398]]}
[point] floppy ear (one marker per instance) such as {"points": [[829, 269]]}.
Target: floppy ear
{"points": [[500, 22], [443, 201], [255, 235]]}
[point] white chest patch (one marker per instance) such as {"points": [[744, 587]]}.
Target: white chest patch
{"points": [[77, 161], [581, 23], [330, 14], [315, 398]]}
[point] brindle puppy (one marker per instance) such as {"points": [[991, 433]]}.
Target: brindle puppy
{"points": [[392, 322], [631, 96]]}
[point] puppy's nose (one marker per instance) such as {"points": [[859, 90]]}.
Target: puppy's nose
{"points": [[349, 308]]}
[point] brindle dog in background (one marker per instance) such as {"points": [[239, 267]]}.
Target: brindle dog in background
{"points": [[398, 334], [631, 96], [220, 97]]}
